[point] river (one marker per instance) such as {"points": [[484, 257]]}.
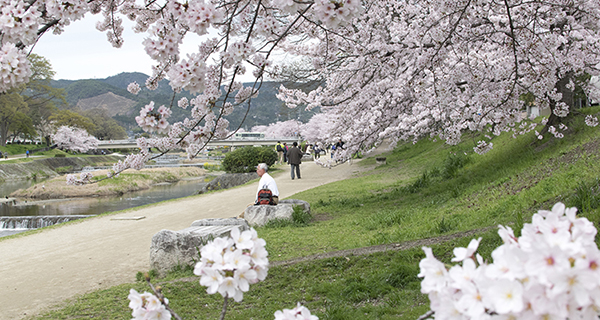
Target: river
{"points": [[82, 206]]}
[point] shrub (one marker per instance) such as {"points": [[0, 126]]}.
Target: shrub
{"points": [[453, 163], [301, 217], [247, 158], [587, 196]]}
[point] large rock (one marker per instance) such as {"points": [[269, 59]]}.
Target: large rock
{"points": [[182, 248], [261, 215], [228, 180]]}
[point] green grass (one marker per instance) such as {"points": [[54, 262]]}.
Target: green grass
{"points": [[424, 191]]}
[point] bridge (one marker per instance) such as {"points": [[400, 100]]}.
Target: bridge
{"points": [[131, 143]]}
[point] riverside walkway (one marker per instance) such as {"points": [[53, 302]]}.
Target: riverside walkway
{"points": [[40, 271]]}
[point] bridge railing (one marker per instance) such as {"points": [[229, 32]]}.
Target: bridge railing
{"points": [[131, 143]]}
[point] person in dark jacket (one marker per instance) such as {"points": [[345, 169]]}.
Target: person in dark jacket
{"points": [[294, 156]]}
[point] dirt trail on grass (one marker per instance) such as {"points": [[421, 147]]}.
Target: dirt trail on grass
{"points": [[41, 270]]}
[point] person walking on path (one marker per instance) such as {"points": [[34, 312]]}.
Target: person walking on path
{"points": [[279, 148], [295, 159], [285, 152]]}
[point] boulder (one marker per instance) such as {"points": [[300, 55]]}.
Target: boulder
{"points": [[306, 157], [261, 215], [228, 180], [182, 248]]}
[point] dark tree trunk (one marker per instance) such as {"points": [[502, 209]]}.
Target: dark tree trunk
{"points": [[3, 133], [568, 97]]}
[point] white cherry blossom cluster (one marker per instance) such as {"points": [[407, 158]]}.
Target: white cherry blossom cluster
{"points": [[67, 9], [557, 134], [591, 121], [75, 139], [483, 147], [298, 313], [245, 93], [151, 120], [14, 68], [561, 110], [163, 143], [334, 13], [268, 26], [200, 15], [84, 178], [17, 23], [261, 64], [288, 128], [229, 265], [183, 103], [289, 6], [147, 306], [188, 74], [134, 88], [165, 45], [133, 161], [238, 52], [326, 163], [552, 271]]}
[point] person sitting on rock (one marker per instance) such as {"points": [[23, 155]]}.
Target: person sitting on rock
{"points": [[266, 182]]}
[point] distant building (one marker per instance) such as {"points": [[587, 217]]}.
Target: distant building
{"points": [[249, 135]]}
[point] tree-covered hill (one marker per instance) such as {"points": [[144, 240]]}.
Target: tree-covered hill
{"points": [[264, 109]]}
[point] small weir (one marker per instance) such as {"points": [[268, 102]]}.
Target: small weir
{"points": [[34, 222], [19, 215]]}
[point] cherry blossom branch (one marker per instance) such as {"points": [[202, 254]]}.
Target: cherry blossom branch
{"points": [[158, 293], [224, 309], [427, 315]]}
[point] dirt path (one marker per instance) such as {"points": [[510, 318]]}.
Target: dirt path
{"points": [[41, 270]]}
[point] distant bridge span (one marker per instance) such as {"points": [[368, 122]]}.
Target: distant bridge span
{"points": [[131, 144]]}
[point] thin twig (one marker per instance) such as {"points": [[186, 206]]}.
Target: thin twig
{"points": [[224, 308], [426, 315], [161, 297]]}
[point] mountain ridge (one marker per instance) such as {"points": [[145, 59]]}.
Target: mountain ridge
{"points": [[111, 95]]}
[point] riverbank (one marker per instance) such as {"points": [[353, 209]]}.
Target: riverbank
{"points": [[51, 167], [128, 181], [43, 269]]}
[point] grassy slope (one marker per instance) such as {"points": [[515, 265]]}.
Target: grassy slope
{"points": [[425, 190]]}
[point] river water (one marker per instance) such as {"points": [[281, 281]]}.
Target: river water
{"points": [[84, 206]]}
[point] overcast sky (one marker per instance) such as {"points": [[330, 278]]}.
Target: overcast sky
{"points": [[83, 52]]}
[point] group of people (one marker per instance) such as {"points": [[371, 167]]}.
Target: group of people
{"points": [[293, 156]]}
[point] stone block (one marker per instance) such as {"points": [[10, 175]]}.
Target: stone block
{"points": [[295, 202], [261, 215], [307, 157], [182, 248], [228, 180]]}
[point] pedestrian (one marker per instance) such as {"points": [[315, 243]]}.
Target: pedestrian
{"points": [[316, 150], [295, 159], [27, 153], [279, 149], [5, 154], [285, 151]]}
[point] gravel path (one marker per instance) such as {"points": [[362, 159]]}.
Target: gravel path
{"points": [[42, 270]]}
